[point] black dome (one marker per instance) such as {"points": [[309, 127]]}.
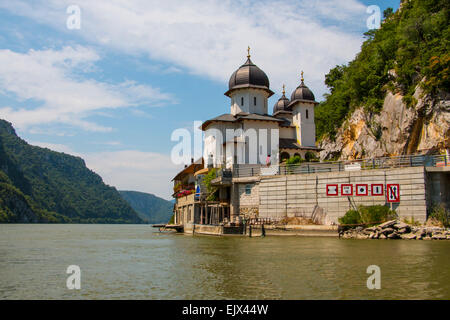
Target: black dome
{"points": [[281, 104], [302, 93], [249, 75]]}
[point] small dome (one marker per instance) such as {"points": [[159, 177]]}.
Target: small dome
{"points": [[248, 74], [281, 104], [302, 93]]}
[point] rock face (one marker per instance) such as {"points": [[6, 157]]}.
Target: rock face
{"points": [[397, 230], [396, 130]]}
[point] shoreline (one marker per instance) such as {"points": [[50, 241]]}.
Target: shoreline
{"points": [[396, 229]]}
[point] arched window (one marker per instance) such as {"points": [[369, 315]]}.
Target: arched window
{"points": [[242, 101], [254, 101], [284, 156], [307, 116]]}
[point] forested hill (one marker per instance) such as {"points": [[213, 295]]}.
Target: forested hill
{"points": [[149, 207], [40, 185], [398, 82]]}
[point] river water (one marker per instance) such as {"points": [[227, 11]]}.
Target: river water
{"points": [[137, 262]]}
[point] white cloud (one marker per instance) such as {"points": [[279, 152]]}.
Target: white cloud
{"points": [[135, 170], [209, 37], [51, 78], [128, 169]]}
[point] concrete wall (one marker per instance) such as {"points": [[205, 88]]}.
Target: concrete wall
{"points": [[297, 195], [438, 188], [248, 203]]}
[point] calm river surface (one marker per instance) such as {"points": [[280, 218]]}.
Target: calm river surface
{"points": [[137, 262]]}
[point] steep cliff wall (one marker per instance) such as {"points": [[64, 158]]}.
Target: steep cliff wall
{"points": [[396, 130]]}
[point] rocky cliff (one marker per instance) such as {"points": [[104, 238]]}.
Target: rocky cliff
{"points": [[396, 130]]}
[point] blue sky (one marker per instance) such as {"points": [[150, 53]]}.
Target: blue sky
{"points": [[114, 90]]}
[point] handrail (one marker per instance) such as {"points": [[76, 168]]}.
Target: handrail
{"points": [[349, 165]]}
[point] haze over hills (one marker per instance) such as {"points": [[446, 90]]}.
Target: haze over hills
{"points": [[38, 185], [149, 207]]}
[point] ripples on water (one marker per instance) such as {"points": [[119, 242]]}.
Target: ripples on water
{"points": [[137, 262]]}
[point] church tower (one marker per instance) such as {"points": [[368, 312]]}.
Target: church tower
{"points": [[302, 105], [248, 89]]}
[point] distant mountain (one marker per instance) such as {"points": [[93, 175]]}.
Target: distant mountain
{"points": [[40, 185], [149, 207]]}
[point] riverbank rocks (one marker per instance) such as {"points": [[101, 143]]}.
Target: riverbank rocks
{"points": [[396, 229]]}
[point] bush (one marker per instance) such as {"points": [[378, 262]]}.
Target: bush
{"points": [[210, 189], [439, 213], [311, 157], [350, 217], [377, 214], [368, 215]]}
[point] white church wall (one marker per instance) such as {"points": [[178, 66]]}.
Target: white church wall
{"points": [[304, 118], [244, 101], [288, 133], [265, 145]]}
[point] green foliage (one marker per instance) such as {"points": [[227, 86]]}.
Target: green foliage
{"points": [[54, 187], [388, 12], [212, 191], [414, 42], [311, 157], [439, 213], [294, 160], [149, 207], [368, 215], [350, 217], [376, 214]]}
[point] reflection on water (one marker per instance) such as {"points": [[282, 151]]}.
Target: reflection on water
{"points": [[137, 262]]}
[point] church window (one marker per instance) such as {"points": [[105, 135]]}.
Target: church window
{"points": [[242, 101], [254, 101], [307, 114], [248, 189]]}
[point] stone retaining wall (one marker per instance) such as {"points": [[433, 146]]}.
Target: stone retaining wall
{"points": [[297, 195]]}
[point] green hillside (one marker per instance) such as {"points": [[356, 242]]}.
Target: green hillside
{"points": [[149, 207], [40, 185], [412, 45]]}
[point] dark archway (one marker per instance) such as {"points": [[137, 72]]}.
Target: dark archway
{"points": [[284, 156]]}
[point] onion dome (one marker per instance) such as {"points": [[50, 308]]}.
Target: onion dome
{"points": [[302, 93], [248, 76], [282, 103]]}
